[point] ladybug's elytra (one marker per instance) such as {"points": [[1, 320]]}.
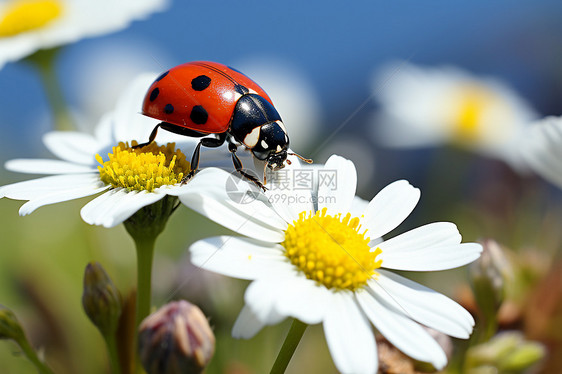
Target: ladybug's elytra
{"points": [[202, 98]]}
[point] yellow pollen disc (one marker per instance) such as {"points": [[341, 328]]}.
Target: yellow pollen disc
{"points": [[26, 15], [145, 168], [473, 101], [331, 250]]}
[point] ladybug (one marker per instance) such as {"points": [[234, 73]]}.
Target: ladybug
{"points": [[203, 98]]}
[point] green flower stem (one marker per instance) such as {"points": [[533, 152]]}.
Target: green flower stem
{"points": [[289, 347], [32, 356], [145, 255], [44, 61], [144, 227], [10, 328], [111, 343]]}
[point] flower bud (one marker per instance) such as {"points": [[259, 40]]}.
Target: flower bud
{"points": [[10, 327], [101, 299], [489, 275], [506, 352], [176, 338]]}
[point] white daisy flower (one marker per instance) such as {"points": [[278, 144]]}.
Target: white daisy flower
{"points": [[317, 256], [542, 148], [91, 164], [29, 25], [431, 106]]}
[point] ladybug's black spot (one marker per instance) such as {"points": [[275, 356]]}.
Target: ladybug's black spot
{"points": [[200, 83], [169, 109], [241, 89], [162, 76], [199, 115], [154, 94]]}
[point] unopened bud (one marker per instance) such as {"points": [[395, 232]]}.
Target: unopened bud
{"points": [[489, 275], [101, 299], [10, 327], [176, 338], [506, 352]]}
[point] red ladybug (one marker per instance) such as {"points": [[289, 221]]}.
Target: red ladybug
{"points": [[201, 98]]}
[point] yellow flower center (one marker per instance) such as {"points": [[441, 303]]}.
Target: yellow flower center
{"points": [[25, 15], [145, 168], [331, 250], [473, 101]]}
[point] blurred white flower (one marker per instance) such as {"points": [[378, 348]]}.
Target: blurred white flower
{"points": [[430, 106], [541, 146], [315, 254], [103, 69], [29, 25], [91, 164]]}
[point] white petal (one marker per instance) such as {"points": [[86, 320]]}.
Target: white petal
{"points": [[128, 206], [115, 206], [45, 166], [389, 208], [206, 196], [430, 235], [95, 211], [234, 220], [261, 298], [391, 130], [236, 257], [423, 304], [542, 149], [103, 131], [402, 332], [60, 196], [297, 297], [440, 257], [435, 246], [37, 188], [129, 123], [358, 206], [74, 147], [290, 190], [247, 324], [337, 197], [238, 194], [349, 335], [80, 19], [90, 212]]}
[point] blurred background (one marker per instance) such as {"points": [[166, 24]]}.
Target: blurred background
{"points": [[318, 62]]}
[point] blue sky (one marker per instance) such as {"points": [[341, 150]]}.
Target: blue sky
{"points": [[337, 46]]}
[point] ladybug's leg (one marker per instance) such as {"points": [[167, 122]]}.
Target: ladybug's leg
{"points": [[240, 168], [151, 137], [172, 128], [206, 142]]}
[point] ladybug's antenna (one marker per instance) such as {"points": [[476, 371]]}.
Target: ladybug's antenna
{"points": [[307, 160]]}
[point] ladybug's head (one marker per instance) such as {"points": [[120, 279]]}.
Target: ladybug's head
{"points": [[256, 124], [272, 145], [276, 161]]}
